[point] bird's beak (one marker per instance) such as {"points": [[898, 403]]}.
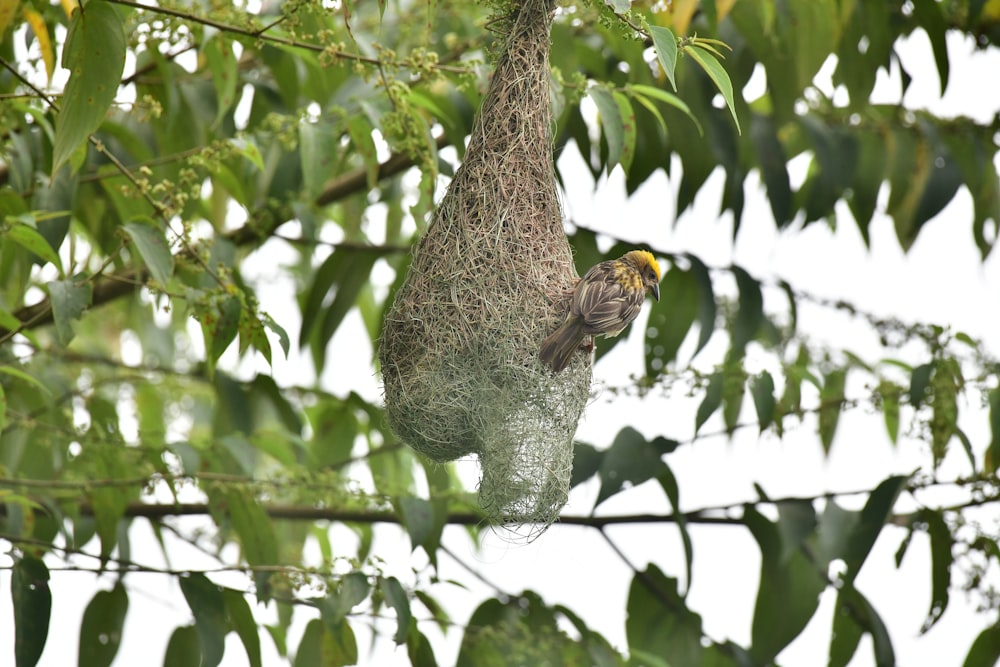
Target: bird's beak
{"points": [[655, 289]]}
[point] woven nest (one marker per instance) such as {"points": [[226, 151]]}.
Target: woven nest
{"points": [[459, 348]]}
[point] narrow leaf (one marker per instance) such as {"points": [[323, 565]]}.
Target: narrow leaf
{"points": [[985, 651], [184, 648], [941, 560], [209, 609], [69, 299], [152, 245], [641, 92], [94, 53], [337, 605], [669, 483], [707, 307], [717, 74], [831, 398], [919, 381], [611, 123], [665, 45], [242, 620], [418, 519], [788, 594], [101, 629], [627, 114], [32, 240], [762, 390], [712, 400], [873, 517], [853, 614], [32, 599], [396, 597], [991, 460], [631, 459], [658, 621], [681, 298], [750, 316]]}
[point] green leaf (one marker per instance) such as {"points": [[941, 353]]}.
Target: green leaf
{"points": [[360, 130], [669, 484], [733, 392], [69, 299], [184, 648], [852, 616], [153, 247], [21, 375], [991, 460], [335, 607], [642, 92], [681, 299], [242, 620], [658, 621], [706, 305], [870, 171], [209, 609], [32, 600], [627, 114], [985, 651], [750, 316], [396, 598], [773, 164], [346, 272], [313, 646], [717, 74], [278, 330], [419, 648], [586, 462], [611, 123], [762, 390], [930, 17], [831, 398], [619, 6], [101, 629], [876, 512], [418, 519], [32, 240], [319, 151], [94, 54], [942, 544], [222, 63], [712, 400], [919, 382], [438, 613], [256, 532], [220, 322], [889, 394], [631, 459], [665, 45], [846, 635], [789, 590]]}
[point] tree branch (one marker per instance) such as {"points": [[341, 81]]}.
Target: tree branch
{"points": [[116, 285]]}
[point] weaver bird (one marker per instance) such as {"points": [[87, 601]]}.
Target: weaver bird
{"points": [[603, 303]]}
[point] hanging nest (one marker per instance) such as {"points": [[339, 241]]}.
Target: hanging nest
{"points": [[488, 282]]}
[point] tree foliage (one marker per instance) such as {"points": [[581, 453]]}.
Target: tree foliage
{"points": [[184, 156]]}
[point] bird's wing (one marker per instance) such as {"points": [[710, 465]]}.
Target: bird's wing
{"points": [[604, 306]]}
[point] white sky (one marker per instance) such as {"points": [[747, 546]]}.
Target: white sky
{"points": [[941, 281]]}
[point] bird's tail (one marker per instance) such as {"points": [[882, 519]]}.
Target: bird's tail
{"points": [[558, 348]]}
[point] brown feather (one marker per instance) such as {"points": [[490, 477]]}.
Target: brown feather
{"points": [[604, 302]]}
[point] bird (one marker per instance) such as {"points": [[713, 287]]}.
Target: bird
{"points": [[603, 303]]}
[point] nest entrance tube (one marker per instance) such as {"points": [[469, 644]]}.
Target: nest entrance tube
{"points": [[459, 348]]}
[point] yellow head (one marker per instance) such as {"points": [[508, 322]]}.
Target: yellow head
{"points": [[648, 268]]}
